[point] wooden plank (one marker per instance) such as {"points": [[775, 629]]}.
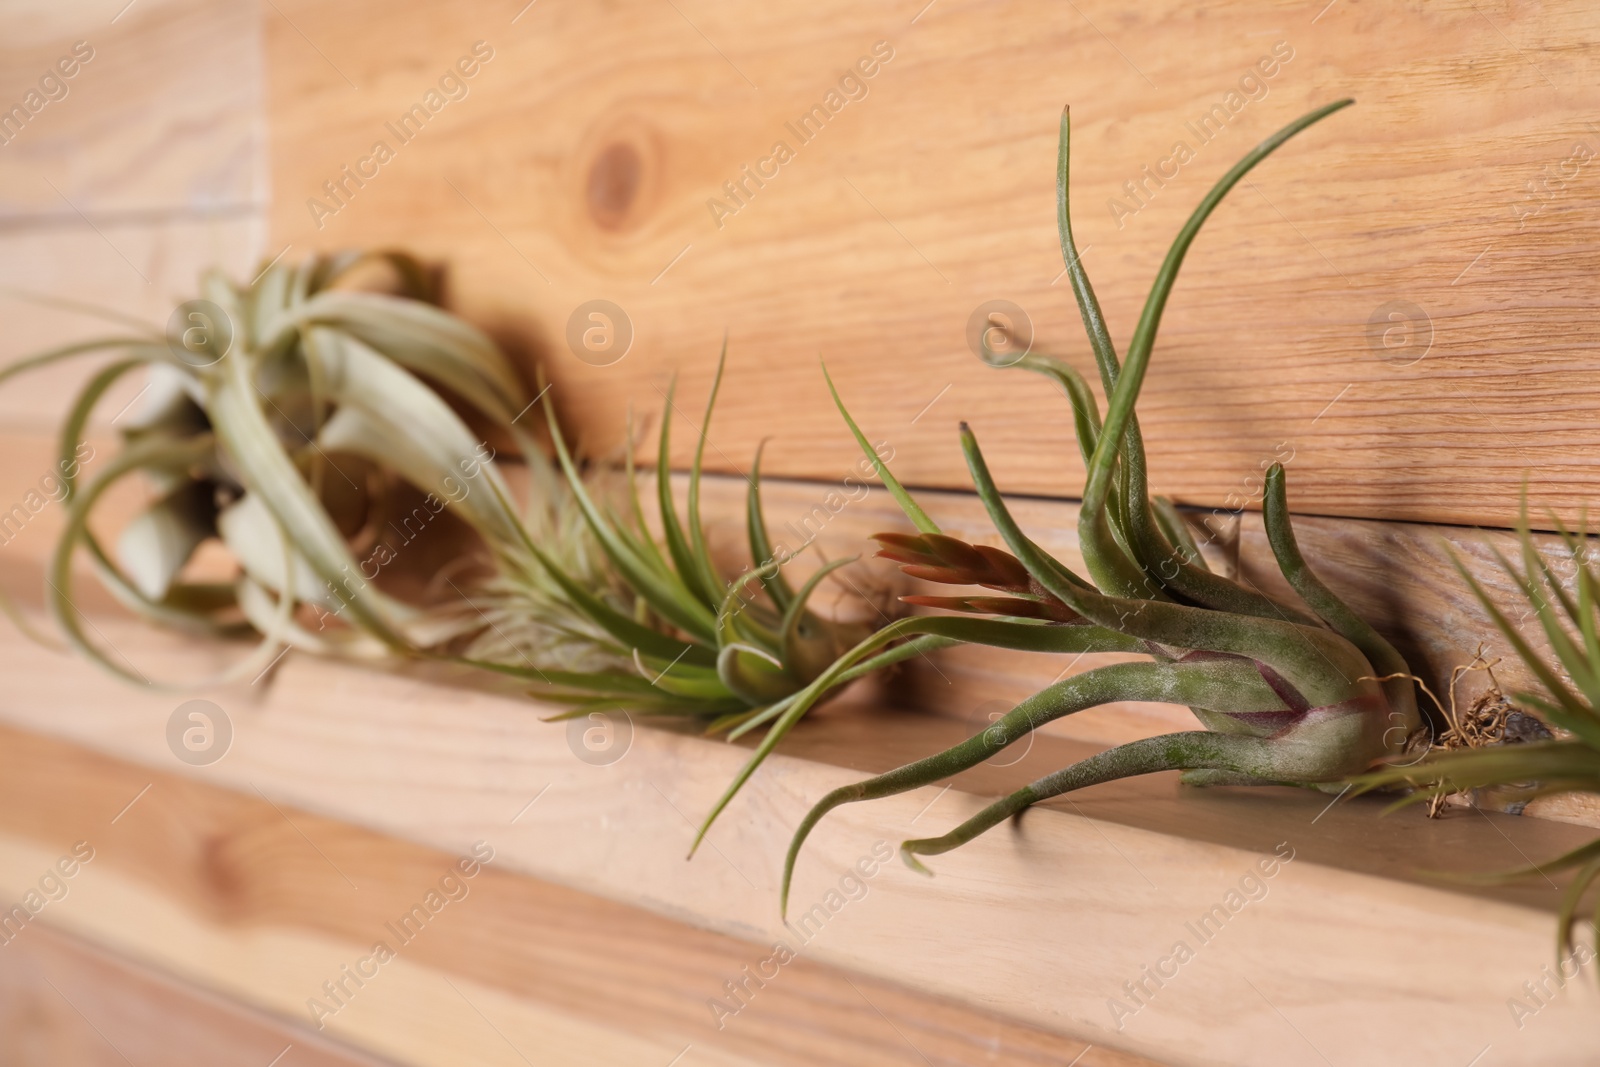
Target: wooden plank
{"points": [[581, 161], [63, 1000], [160, 116], [259, 886], [1104, 882], [148, 166]]}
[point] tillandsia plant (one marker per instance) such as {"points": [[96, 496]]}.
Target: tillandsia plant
{"points": [[1567, 697], [1286, 696], [691, 641], [251, 396]]}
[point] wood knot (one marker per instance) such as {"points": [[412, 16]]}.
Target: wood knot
{"points": [[613, 184], [223, 882]]}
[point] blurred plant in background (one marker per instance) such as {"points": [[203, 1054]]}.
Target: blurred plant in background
{"points": [[1567, 697], [282, 417]]}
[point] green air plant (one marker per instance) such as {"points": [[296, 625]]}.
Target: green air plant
{"points": [[279, 420], [1567, 697], [683, 639], [1286, 697]]}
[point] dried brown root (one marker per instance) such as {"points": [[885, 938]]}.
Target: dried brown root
{"points": [[1491, 719]]}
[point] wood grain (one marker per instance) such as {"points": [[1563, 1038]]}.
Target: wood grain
{"points": [[279, 893], [164, 120], [585, 155], [65, 1001], [150, 168], [580, 166]]}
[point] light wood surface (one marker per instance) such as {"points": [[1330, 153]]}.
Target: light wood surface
{"points": [[580, 164], [66, 1001], [162, 120], [266, 901], [1106, 881], [149, 168]]}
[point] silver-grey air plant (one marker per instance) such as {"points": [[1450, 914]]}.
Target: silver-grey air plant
{"points": [[236, 434]]}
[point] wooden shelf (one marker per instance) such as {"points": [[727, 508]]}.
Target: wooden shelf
{"points": [[1043, 922], [200, 900], [64, 1000]]}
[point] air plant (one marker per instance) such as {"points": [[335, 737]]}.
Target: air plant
{"points": [[687, 640], [242, 415], [1567, 697], [1286, 697], [735, 651]]}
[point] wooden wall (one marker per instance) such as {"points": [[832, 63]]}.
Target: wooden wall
{"points": [[149, 168], [1400, 302]]}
